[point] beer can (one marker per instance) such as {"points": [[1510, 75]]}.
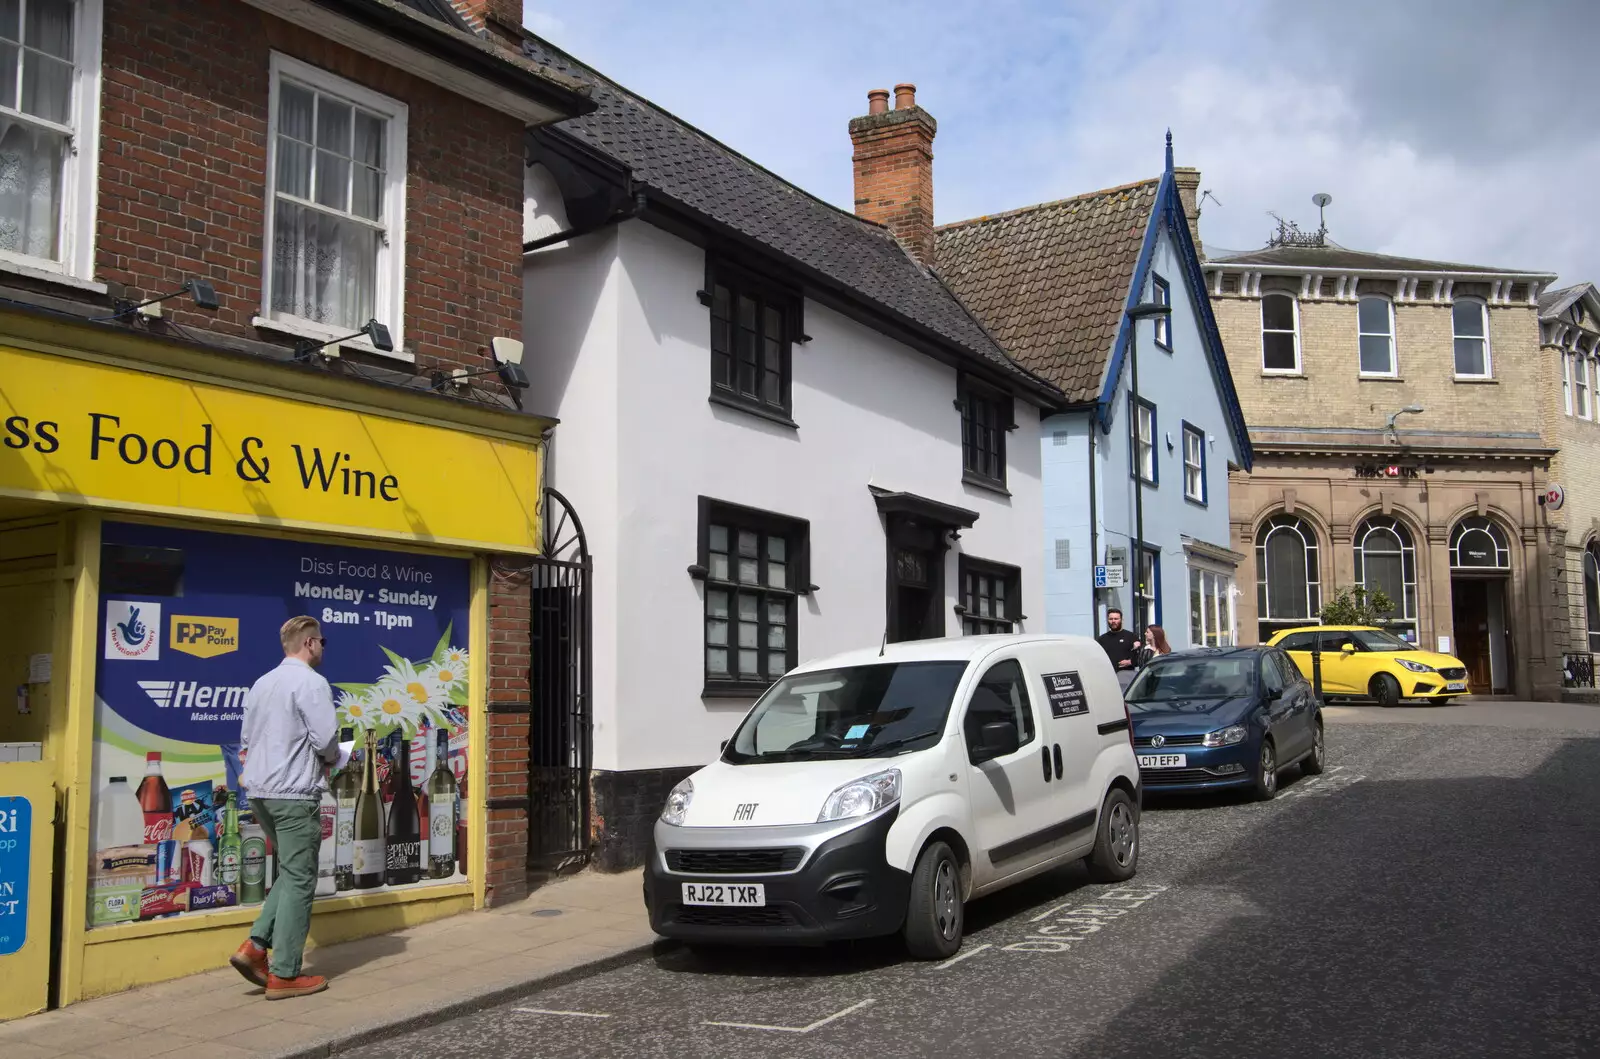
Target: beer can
{"points": [[169, 862], [197, 862]]}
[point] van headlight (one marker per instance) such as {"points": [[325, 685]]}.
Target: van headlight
{"points": [[862, 797], [1415, 667], [1228, 736], [678, 799]]}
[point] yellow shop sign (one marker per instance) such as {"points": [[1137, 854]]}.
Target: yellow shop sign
{"points": [[92, 434]]}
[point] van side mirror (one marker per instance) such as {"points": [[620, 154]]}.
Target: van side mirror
{"points": [[996, 739]]}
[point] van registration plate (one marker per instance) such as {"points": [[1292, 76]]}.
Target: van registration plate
{"points": [[738, 895], [1163, 761]]}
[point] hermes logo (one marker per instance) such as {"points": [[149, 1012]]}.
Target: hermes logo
{"points": [[204, 637], [746, 811]]}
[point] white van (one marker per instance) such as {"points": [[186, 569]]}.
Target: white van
{"points": [[875, 792]]}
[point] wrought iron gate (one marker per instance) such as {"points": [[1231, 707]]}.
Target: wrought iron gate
{"points": [[561, 682]]}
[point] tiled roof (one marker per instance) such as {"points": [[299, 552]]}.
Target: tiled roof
{"points": [[1553, 303], [693, 170], [1333, 258], [1050, 281]]}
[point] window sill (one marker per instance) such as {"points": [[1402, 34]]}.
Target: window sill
{"points": [[759, 411], [733, 690], [1196, 503], [1367, 376], [1265, 374], [978, 481], [317, 333], [46, 275], [1477, 380]]}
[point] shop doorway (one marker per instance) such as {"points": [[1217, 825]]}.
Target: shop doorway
{"points": [[561, 721], [1483, 635]]}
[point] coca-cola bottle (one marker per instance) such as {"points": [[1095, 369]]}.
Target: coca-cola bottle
{"points": [[155, 801]]}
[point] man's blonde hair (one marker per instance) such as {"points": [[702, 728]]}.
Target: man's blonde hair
{"points": [[296, 631]]}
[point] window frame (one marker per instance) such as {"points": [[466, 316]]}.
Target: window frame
{"points": [[1407, 612], [1152, 554], [972, 395], [1361, 333], [1161, 326], [1567, 401], [1135, 471], [1219, 616], [1500, 541], [80, 170], [1582, 384], [1591, 594], [1294, 308], [1266, 622], [768, 294], [1024, 738], [389, 301], [1191, 431], [1488, 352], [796, 532], [1011, 576]]}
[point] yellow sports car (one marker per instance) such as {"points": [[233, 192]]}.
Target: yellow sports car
{"points": [[1359, 661]]}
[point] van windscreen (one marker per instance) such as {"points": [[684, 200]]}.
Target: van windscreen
{"points": [[854, 711]]}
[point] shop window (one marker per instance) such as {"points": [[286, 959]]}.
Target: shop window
{"points": [[1375, 321], [1470, 321], [49, 134], [1591, 593], [752, 328], [1211, 608], [1386, 559], [335, 207], [985, 418], [1142, 440], [1288, 579], [1581, 393], [1194, 464], [754, 567], [1161, 294], [140, 570], [1476, 543], [991, 596], [1280, 334]]}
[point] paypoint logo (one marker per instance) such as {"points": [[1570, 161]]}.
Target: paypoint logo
{"points": [[204, 637]]}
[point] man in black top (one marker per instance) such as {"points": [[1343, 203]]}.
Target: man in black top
{"points": [[1120, 645]]}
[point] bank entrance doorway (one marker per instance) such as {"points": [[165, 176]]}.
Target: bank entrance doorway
{"points": [[1480, 577]]}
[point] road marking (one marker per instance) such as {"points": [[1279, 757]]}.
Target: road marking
{"points": [[1079, 922], [553, 1011], [958, 959], [1335, 779], [795, 1029]]}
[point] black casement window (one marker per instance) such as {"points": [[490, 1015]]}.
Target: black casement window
{"points": [[985, 419], [754, 565], [991, 596], [753, 324]]}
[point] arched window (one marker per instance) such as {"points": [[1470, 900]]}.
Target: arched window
{"points": [[1375, 322], [1280, 333], [1288, 582], [1478, 544], [1470, 319], [1386, 559], [1591, 592]]}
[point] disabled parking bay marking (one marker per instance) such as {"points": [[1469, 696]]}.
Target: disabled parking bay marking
{"points": [[1334, 780], [1056, 929], [554, 1011], [817, 1025]]}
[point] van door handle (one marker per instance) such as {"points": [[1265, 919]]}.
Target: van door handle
{"points": [[1057, 754], [1044, 753]]}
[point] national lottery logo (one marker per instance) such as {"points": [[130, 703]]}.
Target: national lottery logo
{"points": [[133, 630]]}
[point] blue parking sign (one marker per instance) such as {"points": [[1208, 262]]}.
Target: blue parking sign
{"points": [[16, 840]]}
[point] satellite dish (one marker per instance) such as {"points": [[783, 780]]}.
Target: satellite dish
{"points": [[1321, 199]]}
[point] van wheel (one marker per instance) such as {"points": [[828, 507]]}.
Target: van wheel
{"points": [[1385, 689], [1116, 843], [934, 915]]}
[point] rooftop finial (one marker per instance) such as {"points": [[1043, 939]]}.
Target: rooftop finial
{"points": [[1169, 149]]}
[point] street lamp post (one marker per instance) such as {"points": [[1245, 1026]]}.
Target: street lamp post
{"points": [[1142, 311]]}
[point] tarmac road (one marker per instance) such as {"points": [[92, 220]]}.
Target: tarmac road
{"points": [[1432, 895]]}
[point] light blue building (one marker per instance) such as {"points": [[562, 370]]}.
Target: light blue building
{"points": [[1135, 469]]}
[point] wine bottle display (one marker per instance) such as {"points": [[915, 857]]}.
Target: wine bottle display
{"points": [[442, 813], [367, 853], [346, 789], [404, 834]]}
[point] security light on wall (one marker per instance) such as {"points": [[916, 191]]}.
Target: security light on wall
{"points": [[374, 332], [203, 293]]}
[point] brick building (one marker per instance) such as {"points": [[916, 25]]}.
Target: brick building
{"points": [[1397, 409], [1569, 322], [321, 203]]}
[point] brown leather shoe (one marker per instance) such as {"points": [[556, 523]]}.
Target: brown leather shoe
{"points": [[251, 961], [299, 985]]}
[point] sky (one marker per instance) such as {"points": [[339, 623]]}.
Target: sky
{"points": [[1428, 121]]}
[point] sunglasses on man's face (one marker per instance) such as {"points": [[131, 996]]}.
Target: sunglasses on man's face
{"points": [[320, 641]]}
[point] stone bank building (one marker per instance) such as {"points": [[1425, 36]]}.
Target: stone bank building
{"points": [[1396, 410]]}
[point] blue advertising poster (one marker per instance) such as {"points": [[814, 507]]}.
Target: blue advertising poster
{"points": [[189, 620], [16, 841]]}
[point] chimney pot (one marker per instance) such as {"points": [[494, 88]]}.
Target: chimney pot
{"points": [[878, 101], [905, 95], [893, 164]]}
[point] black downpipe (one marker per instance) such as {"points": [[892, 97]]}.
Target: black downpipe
{"points": [[1136, 559], [1094, 533]]}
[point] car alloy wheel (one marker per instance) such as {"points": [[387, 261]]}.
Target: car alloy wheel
{"points": [[1267, 780], [1124, 834]]}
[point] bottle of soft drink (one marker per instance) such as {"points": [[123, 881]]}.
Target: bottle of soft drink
{"points": [[155, 801]]}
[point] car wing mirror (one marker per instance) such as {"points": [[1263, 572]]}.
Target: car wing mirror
{"points": [[996, 739], [1274, 694], [723, 747]]}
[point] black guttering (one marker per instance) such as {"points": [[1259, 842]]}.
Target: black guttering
{"points": [[478, 57]]}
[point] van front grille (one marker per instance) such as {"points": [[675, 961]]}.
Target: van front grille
{"points": [[734, 861]]}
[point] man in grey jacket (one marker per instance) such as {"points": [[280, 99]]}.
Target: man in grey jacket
{"points": [[289, 734]]}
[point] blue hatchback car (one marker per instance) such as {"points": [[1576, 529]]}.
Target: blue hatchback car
{"points": [[1219, 717]]}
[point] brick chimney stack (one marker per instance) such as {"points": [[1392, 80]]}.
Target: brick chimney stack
{"points": [[1188, 181], [498, 20], [894, 168]]}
